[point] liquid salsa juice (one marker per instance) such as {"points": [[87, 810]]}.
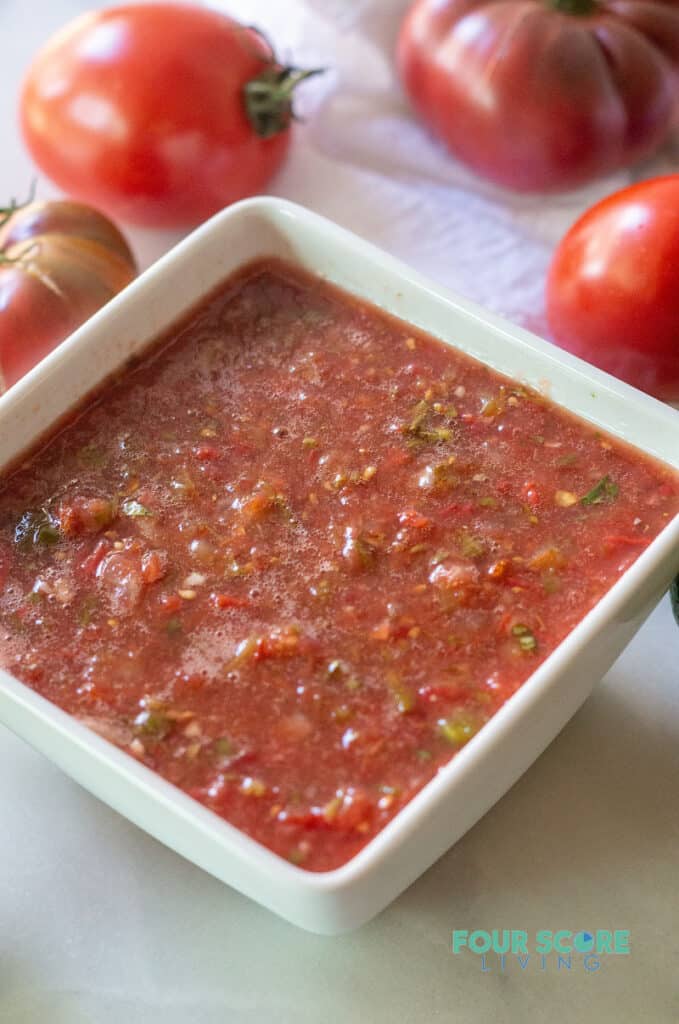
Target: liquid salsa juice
{"points": [[296, 557]]}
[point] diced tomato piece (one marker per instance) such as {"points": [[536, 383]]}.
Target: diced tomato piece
{"points": [[189, 681], [393, 629], [456, 508], [526, 580], [381, 632], [619, 540], [97, 693], [395, 457], [348, 810], [85, 515], [170, 602], [33, 673], [223, 601], [435, 692], [206, 452], [547, 558], [505, 622], [414, 520], [454, 575], [496, 570], [89, 566], [359, 552], [279, 643], [530, 494], [302, 817], [294, 728], [154, 566]]}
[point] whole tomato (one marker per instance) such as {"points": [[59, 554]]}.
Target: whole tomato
{"points": [[541, 95], [59, 263], [160, 114], [613, 287]]}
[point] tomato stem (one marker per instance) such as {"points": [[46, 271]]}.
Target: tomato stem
{"points": [[269, 98], [576, 7], [8, 211]]}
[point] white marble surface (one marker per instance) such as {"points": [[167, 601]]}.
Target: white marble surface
{"points": [[99, 924]]}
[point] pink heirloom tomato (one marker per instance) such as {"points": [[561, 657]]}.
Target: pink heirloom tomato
{"points": [[541, 95]]}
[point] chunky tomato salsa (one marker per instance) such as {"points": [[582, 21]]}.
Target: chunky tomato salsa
{"points": [[296, 557]]}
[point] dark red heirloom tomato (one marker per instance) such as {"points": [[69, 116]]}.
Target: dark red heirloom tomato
{"points": [[540, 95], [613, 287], [59, 263], [160, 114]]}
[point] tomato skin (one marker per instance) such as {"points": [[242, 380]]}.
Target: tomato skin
{"points": [[613, 287], [28, 308], [537, 99], [148, 120], [64, 218], [62, 262]]}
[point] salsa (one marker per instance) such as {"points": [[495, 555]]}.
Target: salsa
{"points": [[297, 555]]}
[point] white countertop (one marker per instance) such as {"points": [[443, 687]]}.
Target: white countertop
{"points": [[99, 924]]}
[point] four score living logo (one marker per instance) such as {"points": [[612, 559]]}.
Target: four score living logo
{"points": [[503, 950]]}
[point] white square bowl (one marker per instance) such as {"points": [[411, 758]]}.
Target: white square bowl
{"points": [[467, 786]]}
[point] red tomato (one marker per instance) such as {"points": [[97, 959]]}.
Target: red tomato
{"points": [[59, 263], [540, 96], [160, 114], [613, 287]]}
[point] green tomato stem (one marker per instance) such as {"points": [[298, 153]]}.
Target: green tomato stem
{"points": [[269, 98], [579, 8], [8, 211]]}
